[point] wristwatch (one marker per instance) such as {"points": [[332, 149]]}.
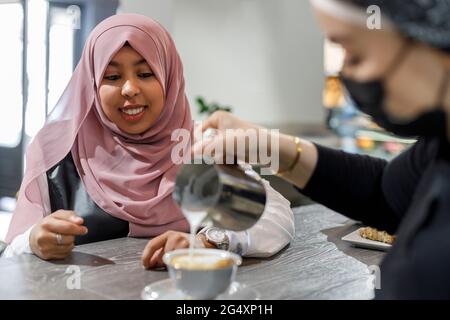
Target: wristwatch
{"points": [[218, 237], [3, 246]]}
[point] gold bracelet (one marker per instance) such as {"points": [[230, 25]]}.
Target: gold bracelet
{"points": [[299, 150]]}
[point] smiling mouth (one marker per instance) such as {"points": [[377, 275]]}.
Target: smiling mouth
{"points": [[133, 113]]}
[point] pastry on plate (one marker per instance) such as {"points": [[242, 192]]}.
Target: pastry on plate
{"points": [[376, 235]]}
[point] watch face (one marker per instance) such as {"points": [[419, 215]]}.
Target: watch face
{"points": [[3, 246], [216, 235]]}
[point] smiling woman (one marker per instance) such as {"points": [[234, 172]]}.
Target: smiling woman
{"points": [[101, 166], [130, 94], [93, 165]]}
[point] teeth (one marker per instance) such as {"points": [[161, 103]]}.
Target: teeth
{"points": [[133, 111]]}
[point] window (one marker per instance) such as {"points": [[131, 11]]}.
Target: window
{"points": [[11, 19], [51, 41], [13, 94], [36, 66], [37, 59], [64, 21], [41, 42]]}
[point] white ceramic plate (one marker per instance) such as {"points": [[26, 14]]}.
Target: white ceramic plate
{"points": [[358, 241], [165, 290]]}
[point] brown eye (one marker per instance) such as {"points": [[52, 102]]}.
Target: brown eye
{"points": [[112, 77], [145, 74]]}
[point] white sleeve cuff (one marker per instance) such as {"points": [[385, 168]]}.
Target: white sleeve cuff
{"points": [[272, 232], [275, 229], [239, 242], [20, 245]]}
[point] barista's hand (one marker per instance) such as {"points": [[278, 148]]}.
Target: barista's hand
{"points": [[217, 146], [43, 236], [284, 151], [222, 120], [168, 241]]}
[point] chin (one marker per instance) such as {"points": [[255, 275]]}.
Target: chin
{"points": [[139, 129], [129, 130]]}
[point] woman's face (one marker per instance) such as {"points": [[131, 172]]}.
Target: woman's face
{"points": [[412, 86], [130, 94]]}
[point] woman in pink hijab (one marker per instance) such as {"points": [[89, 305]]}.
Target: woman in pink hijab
{"points": [[114, 120], [101, 166]]}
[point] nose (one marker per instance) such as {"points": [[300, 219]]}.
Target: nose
{"points": [[130, 89]]}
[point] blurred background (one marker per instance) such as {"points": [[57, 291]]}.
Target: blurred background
{"points": [[266, 61]]}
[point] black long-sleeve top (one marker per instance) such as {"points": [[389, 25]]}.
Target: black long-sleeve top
{"points": [[409, 196]]}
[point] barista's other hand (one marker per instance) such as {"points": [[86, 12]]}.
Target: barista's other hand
{"points": [[168, 241]]}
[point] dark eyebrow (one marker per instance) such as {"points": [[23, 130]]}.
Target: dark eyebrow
{"points": [[113, 63], [139, 62], [116, 64]]}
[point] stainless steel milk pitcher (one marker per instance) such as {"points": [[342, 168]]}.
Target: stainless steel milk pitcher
{"points": [[233, 196]]}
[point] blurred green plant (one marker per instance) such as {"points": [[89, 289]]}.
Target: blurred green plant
{"points": [[209, 108]]}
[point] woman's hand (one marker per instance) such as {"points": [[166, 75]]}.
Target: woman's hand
{"points": [[168, 241], [44, 236], [282, 148], [222, 120], [216, 146]]}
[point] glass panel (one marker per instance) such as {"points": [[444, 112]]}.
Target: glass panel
{"points": [[11, 19], [61, 48], [36, 66]]}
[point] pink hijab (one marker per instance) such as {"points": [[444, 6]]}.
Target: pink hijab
{"points": [[129, 176]]}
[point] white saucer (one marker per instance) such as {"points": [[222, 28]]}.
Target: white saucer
{"points": [[358, 241], [166, 290]]}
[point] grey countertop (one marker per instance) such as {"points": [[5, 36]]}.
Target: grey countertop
{"points": [[316, 265]]}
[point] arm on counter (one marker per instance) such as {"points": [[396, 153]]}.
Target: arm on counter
{"points": [[363, 188], [351, 184], [20, 245], [273, 231], [366, 188]]}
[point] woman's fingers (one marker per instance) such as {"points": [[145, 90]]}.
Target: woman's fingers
{"points": [[211, 148], [50, 250], [177, 241], [211, 121], [54, 236], [64, 239], [67, 215], [58, 255], [234, 144], [198, 147], [157, 247], [64, 227], [50, 241], [63, 249], [152, 246], [156, 260]]}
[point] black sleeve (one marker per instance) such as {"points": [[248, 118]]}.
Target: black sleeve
{"points": [[368, 189]]}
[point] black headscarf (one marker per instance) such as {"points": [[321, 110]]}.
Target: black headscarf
{"points": [[427, 21]]}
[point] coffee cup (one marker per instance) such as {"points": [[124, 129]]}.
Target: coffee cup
{"points": [[203, 275]]}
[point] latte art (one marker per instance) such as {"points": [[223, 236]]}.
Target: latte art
{"points": [[201, 262]]}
